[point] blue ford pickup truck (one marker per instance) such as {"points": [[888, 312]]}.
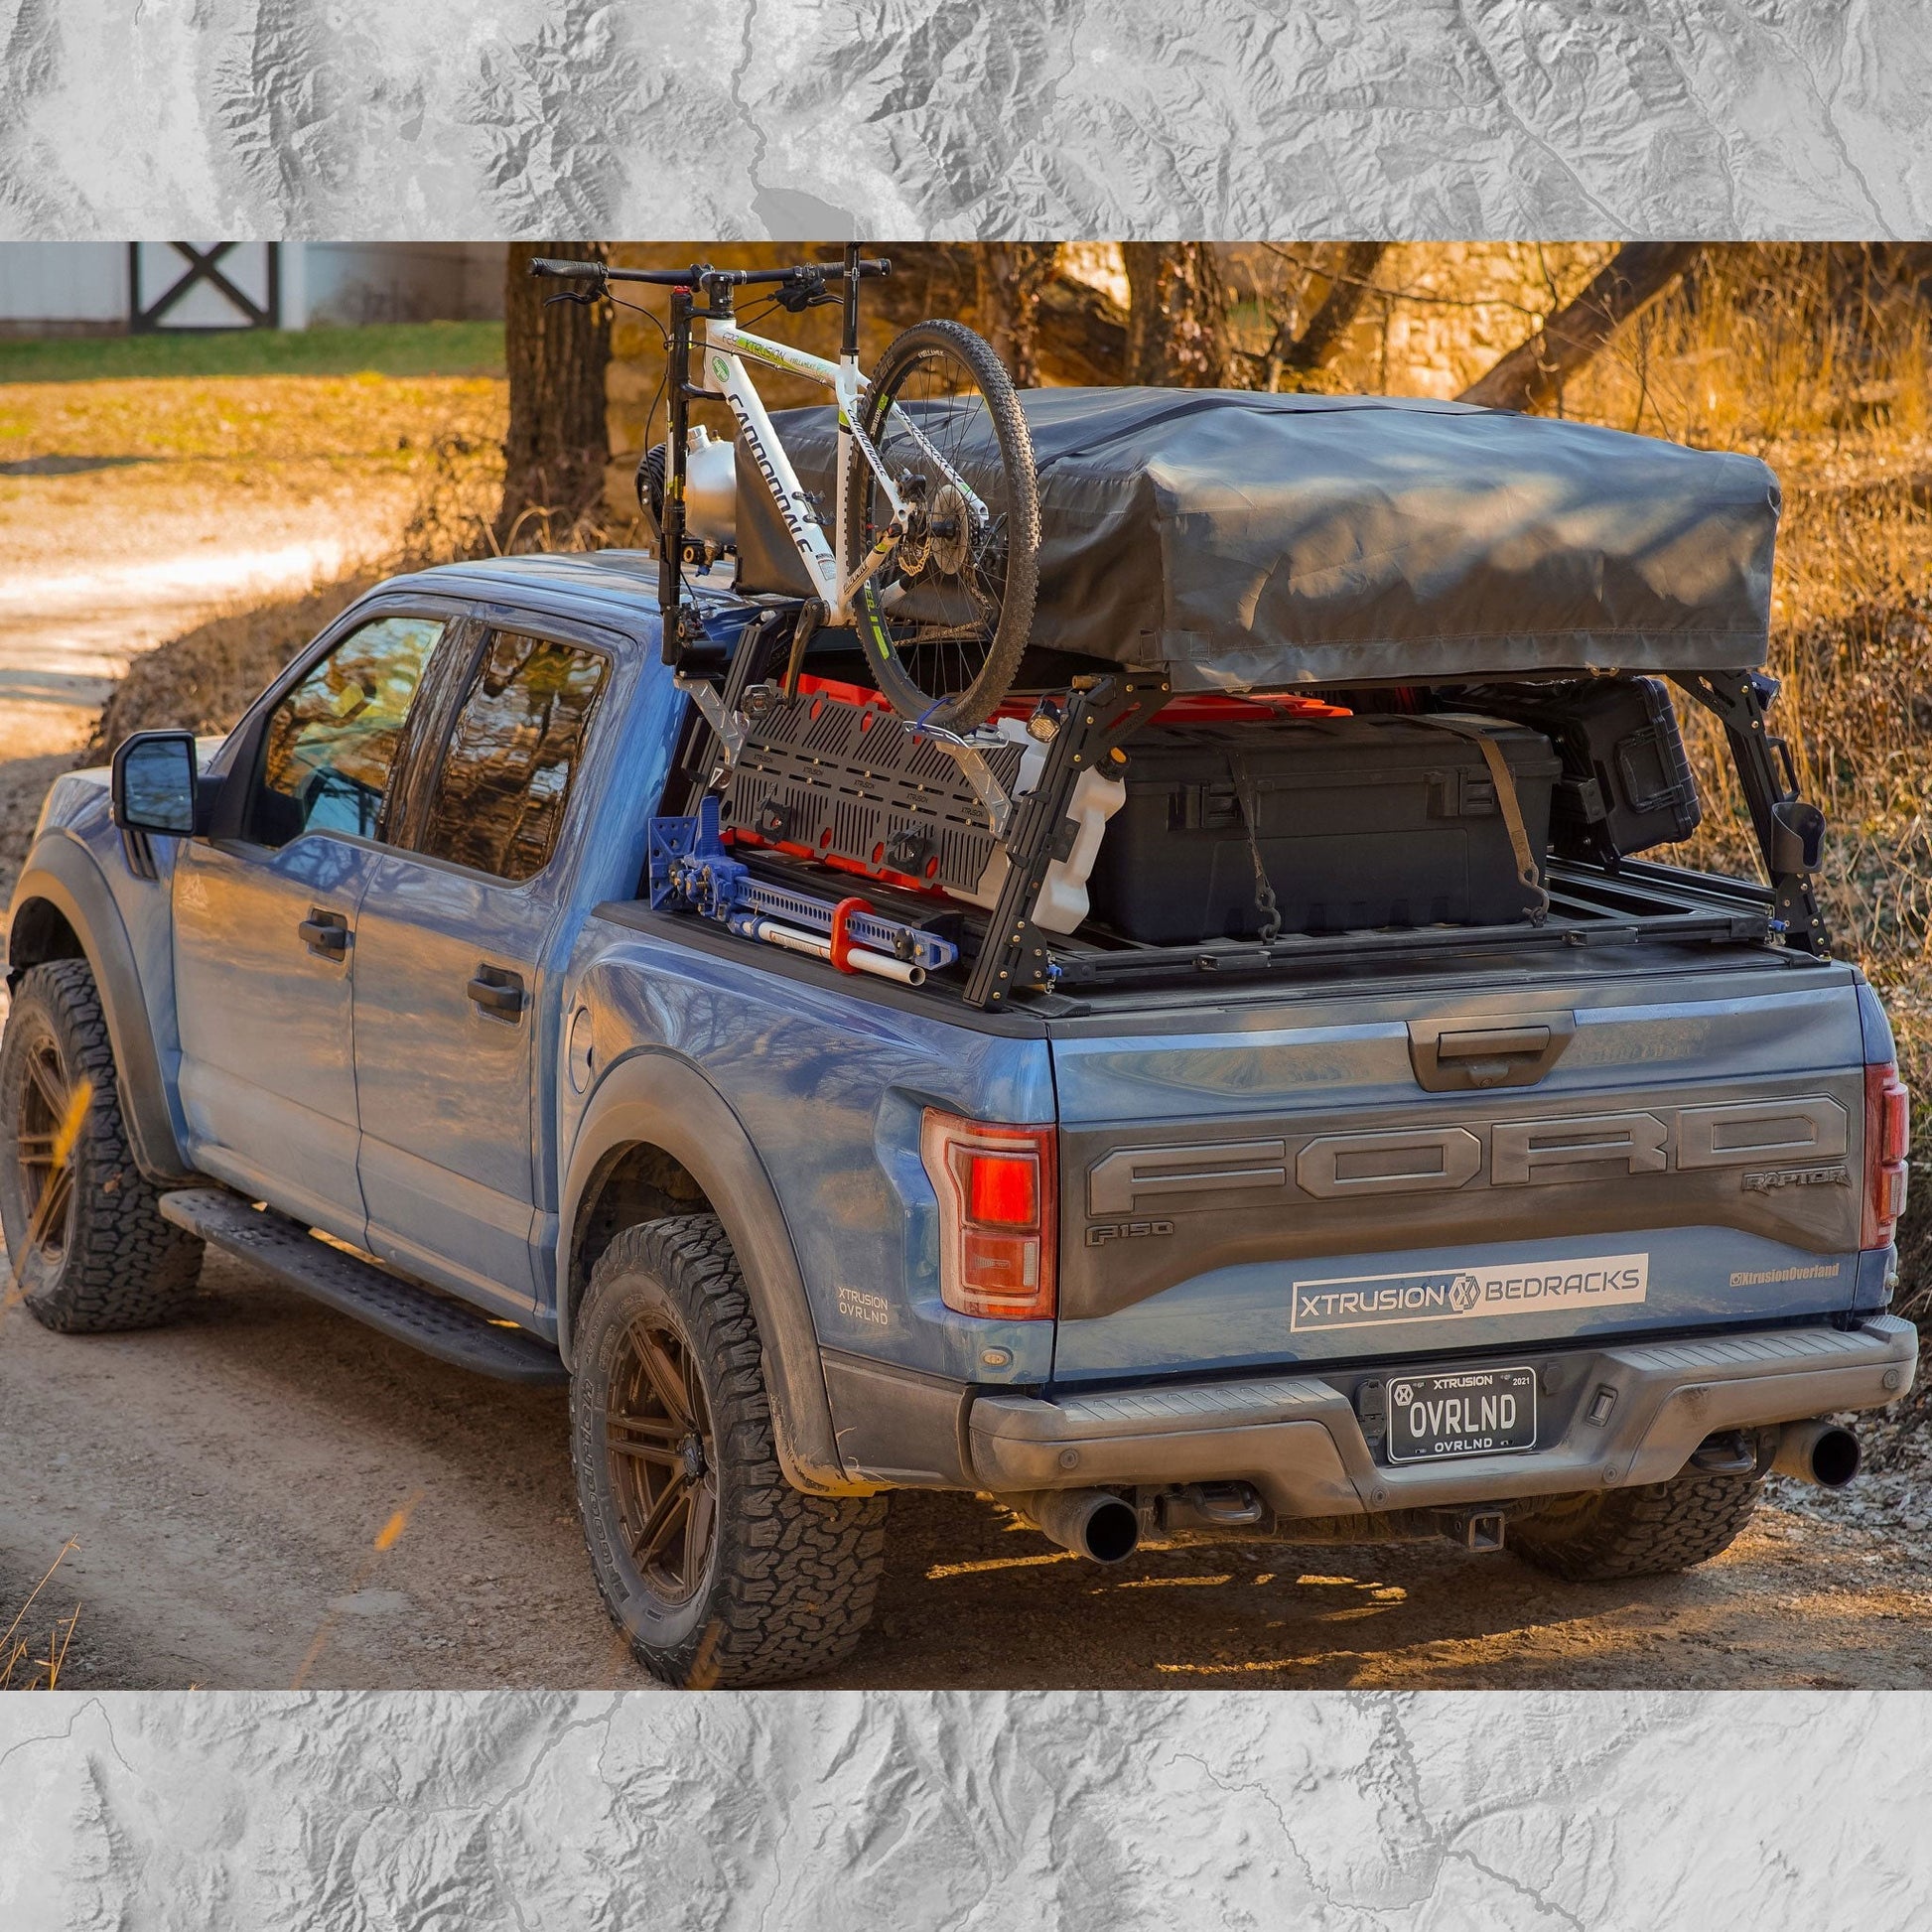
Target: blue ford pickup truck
{"points": [[1564, 1242]]}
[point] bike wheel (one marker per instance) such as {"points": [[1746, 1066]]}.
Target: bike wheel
{"points": [[945, 619]]}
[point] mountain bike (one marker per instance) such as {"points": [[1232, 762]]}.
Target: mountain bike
{"points": [[933, 559]]}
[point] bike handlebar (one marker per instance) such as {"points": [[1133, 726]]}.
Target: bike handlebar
{"points": [[698, 275]]}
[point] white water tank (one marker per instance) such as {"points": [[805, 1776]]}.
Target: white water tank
{"points": [[710, 487]]}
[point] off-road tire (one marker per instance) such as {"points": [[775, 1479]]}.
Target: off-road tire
{"points": [[1642, 1532], [790, 1580], [994, 678], [118, 1264]]}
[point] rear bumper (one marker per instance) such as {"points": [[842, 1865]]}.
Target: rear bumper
{"points": [[1298, 1441]]}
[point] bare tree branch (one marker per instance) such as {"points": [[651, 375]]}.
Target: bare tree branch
{"points": [[1533, 373], [1348, 289], [1009, 279]]}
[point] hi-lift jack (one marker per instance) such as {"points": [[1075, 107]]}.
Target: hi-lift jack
{"points": [[692, 867]]}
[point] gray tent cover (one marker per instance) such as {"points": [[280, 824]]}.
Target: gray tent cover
{"points": [[1257, 541]]}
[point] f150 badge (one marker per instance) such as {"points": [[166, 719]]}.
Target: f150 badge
{"points": [[1455, 1294]]}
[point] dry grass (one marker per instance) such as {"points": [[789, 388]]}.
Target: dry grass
{"points": [[207, 677], [19, 1670], [1802, 356], [389, 421]]}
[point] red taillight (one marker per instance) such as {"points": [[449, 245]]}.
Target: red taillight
{"points": [[1001, 1190], [1887, 1140], [996, 1216]]}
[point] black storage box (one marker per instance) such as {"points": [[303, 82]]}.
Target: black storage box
{"points": [[1361, 822], [1626, 784]]}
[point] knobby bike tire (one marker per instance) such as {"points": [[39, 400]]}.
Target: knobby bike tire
{"points": [[1019, 568]]}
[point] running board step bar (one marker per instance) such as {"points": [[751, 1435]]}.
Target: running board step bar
{"points": [[401, 1309]]}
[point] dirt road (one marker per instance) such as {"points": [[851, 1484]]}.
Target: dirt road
{"points": [[226, 1481]]}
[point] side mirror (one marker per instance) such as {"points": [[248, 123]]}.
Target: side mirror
{"points": [[155, 782]]}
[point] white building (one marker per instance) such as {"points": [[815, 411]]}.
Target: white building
{"points": [[51, 288]]}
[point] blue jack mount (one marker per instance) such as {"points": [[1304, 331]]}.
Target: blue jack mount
{"points": [[692, 869]]}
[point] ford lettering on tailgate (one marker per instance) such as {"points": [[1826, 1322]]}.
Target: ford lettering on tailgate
{"points": [[1467, 1294]]}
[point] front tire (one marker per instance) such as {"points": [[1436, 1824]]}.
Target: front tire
{"points": [[89, 1250], [1649, 1531], [720, 1572]]}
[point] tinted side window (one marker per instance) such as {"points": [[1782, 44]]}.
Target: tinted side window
{"points": [[330, 746], [506, 779]]}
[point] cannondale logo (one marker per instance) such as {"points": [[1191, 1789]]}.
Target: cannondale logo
{"points": [[1464, 1293]]}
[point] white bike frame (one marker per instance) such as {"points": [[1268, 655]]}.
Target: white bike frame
{"points": [[725, 346]]}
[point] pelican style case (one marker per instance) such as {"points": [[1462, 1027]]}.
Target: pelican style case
{"points": [[1626, 784]]}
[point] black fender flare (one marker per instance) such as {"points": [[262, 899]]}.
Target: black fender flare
{"points": [[653, 1097], [64, 874]]}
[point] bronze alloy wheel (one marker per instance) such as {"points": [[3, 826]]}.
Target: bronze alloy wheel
{"points": [[657, 1432], [718, 1571], [53, 1109], [91, 1252]]}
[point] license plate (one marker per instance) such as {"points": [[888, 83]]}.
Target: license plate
{"points": [[1472, 1412]]}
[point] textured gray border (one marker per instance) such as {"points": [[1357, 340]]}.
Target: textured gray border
{"points": [[425, 119], [432, 119], [1326, 1812]]}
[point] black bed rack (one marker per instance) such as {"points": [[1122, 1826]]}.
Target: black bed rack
{"points": [[1636, 905], [1589, 907]]}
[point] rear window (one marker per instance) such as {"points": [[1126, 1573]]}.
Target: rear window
{"points": [[506, 774]]}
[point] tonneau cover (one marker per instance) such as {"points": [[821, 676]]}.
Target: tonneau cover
{"points": [[1256, 541]]}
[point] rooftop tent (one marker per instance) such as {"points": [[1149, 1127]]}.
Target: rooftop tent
{"points": [[1258, 541]]}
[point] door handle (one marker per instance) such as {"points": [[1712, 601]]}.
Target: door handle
{"points": [[325, 933], [498, 991]]}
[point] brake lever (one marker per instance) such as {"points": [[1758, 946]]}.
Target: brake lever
{"points": [[582, 301]]}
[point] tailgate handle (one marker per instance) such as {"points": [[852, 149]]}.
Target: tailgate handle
{"points": [[1468, 1054], [1504, 1042]]}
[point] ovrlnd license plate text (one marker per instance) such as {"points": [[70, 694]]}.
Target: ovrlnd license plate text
{"points": [[1476, 1411]]}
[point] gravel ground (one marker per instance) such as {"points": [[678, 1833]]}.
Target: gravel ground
{"points": [[1893, 1496], [226, 1480]]}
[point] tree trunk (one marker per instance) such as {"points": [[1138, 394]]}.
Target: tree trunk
{"points": [[1532, 375], [1178, 315], [1348, 291], [557, 448], [1010, 277]]}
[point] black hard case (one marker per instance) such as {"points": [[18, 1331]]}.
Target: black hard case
{"points": [[1626, 782], [1361, 822]]}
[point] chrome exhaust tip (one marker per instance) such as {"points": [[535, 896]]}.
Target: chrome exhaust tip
{"points": [[1820, 1453], [1092, 1523]]}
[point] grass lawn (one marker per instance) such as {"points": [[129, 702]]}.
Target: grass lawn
{"points": [[404, 348]]}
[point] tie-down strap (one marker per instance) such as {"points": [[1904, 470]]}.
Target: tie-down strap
{"points": [[1510, 805]]}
